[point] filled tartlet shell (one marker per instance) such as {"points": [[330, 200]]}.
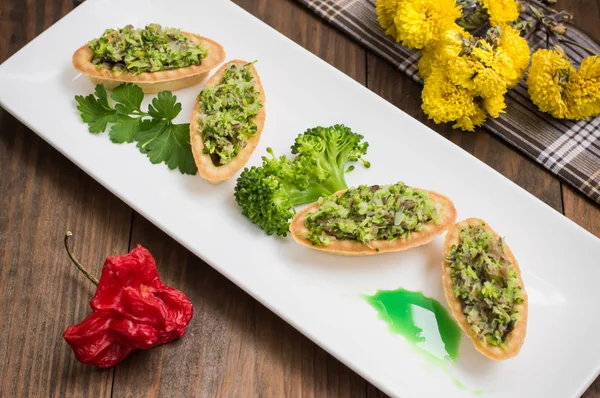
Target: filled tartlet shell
{"points": [[206, 168], [447, 218], [514, 340], [153, 82]]}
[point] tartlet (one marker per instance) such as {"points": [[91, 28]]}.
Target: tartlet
{"points": [[514, 340], [446, 218], [206, 167], [152, 82]]}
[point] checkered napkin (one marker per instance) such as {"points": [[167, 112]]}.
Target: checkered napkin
{"points": [[568, 149]]}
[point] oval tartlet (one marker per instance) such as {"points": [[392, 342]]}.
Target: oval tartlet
{"points": [[153, 82], [514, 340], [206, 168], [447, 218]]}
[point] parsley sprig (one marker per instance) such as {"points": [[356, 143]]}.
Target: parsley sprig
{"points": [[154, 131]]}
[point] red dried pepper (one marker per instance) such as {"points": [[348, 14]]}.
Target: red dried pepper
{"points": [[131, 310]]}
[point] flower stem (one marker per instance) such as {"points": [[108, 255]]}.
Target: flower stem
{"points": [[533, 31], [85, 272], [539, 3], [574, 43]]}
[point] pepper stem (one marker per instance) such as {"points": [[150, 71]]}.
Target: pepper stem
{"points": [[85, 272]]}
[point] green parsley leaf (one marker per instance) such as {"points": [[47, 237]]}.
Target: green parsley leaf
{"points": [[95, 110], [129, 98], [124, 129], [164, 106], [163, 141], [156, 135]]}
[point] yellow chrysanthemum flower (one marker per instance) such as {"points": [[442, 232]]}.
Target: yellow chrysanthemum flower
{"points": [[427, 62], [444, 101], [494, 106], [476, 65], [583, 90], [547, 82], [461, 71], [386, 11], [482, 51], [420, 23], [496, 59], [433, 55], [468, 123], [501, 11], [517, 49], [474, 76], [488, 82], [451, 43], [590, 69]]}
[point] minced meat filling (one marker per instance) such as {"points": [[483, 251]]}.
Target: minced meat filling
{"points": [[228, 112], [368, 213], [151, 49], [486, 284]]}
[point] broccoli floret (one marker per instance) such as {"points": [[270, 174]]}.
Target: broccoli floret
{"points": [[267, 194], [331, 149]]}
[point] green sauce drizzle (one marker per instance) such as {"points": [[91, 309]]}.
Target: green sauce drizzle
{"points": [[421, 320], [424, 323]]}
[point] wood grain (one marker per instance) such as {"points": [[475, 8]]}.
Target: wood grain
{"points": [[43, 194], [41, 292], [235, 347]]}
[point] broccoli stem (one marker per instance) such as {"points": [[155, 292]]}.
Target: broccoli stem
{"points": [[309, 195], [336, 181]]}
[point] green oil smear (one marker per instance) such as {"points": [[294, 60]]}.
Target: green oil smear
{"points": [[424, 323], [457, 382], [421, 320]]}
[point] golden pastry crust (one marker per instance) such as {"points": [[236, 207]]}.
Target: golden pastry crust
{"points": [[516, 337], [206, 168], [153, 82], [355, 248]]}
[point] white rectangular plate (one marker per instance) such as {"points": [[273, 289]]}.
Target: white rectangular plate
{"points": [[315, 292]]}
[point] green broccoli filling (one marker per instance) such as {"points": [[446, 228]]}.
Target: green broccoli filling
{"points": [[486, 284], [366, 213], [151, 49], [228, 112]]}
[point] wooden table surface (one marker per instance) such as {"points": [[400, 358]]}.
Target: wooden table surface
{"points": [[234, 346]]}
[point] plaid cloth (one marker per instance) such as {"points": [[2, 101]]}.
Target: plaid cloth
{"points": [[570, 150]]}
